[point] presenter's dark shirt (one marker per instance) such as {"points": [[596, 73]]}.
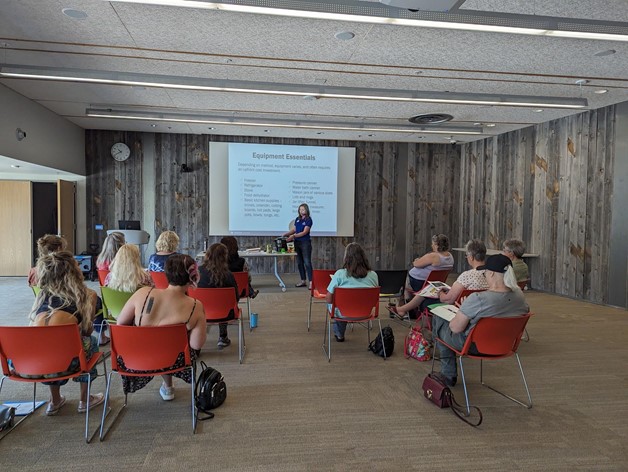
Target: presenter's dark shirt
{"points": [[300, 224]]}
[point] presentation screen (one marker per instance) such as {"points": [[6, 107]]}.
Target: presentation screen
{"points": [[256, 189]]}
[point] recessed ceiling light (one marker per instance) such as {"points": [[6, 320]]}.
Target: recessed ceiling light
{"points": [[15, 166], [607, 52], [266, 131], [74, 13], [370, 135], [153, 125], [538, 110], [345, 35], [320, 132], [490, 125], [601, 91], [211, 127], [477, 123]]}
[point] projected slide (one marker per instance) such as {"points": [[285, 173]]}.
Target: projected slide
{"points": [[267, 183]]}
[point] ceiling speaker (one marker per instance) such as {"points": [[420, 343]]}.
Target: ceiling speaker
{"points": [[425, 5]]}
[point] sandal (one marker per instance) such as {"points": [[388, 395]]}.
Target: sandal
{"points": [[254, 294], [94, 401], [53, 409], [300, 284]]}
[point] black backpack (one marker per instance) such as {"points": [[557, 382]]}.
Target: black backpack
{"points": [[211, 390], [377, 346]]}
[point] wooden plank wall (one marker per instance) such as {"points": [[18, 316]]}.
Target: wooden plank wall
{"points": [[549, 185], [115, 190]]}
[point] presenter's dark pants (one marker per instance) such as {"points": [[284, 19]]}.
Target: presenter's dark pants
{"points": [[304, 258]]}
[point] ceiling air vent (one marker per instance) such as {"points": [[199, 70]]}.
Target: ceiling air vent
{"points": [[430, 119]]}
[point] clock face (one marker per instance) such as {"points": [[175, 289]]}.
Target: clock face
{"points": [[120, 152]]}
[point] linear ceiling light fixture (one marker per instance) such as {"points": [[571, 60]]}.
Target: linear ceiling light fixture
{"points": [[266, 88], [296, 13], [277, 123]]}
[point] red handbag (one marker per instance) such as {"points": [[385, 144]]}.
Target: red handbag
{"points": [[435, 390], [416, 346]]}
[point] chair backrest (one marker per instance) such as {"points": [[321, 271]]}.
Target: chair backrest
{"points": [[36, 289], [391, 281], [40, 350], [242, 281], [217, 302], [463, 296], [149, 348], [522, 284], [497, 336], [439, 275], [159, 279], [102, 275], [358, 303], [114, 300], [320, 282]]}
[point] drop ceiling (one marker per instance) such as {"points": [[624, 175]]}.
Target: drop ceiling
{"points": [[230, 47]]}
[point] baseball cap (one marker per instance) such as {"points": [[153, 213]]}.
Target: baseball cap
{"points": [[496, 263]]}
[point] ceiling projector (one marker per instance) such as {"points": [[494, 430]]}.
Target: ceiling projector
{"points": [[424, 5]]}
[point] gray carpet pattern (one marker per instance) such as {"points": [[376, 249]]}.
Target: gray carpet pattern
{"points": [[288, 409]]}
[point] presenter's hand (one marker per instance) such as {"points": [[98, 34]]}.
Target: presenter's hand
{"points": [[290, 238]]}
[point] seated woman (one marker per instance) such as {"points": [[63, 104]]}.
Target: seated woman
{"points": [[127, 274], [166, 246], [154, 307], [440, 258], [355, 273], [215, 273], [47, 244], [237, 263], [113, 242], [514, 249], [502, 299], [472, 279], [64, 299]]}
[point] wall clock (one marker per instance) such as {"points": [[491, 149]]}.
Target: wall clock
{"points": [[120, 152]]}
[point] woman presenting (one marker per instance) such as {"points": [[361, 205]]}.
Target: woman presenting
{"points": [[300, 234]]}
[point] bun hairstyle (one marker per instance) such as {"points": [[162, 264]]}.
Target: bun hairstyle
{"points": [[50, 243], [442, 242], [181, 270]]}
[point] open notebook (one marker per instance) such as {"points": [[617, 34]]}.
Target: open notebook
{"points": [[432, 288], [446, 312]]}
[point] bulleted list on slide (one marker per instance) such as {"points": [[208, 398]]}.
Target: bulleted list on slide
{"points": [[266, 188]]}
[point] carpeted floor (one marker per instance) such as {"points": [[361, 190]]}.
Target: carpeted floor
{"points": [[288, 409]]}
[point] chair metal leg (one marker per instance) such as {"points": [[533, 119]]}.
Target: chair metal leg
{"points": [[327, 337], [106, 409], [17, 422], [381, 335], [309, 314], [464, 385], [526, 335], [525, 384], [241, 346], [194, 410]]}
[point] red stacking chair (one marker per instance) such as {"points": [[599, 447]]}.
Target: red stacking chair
{"points": [[494, 338], [159, 279], [151, 350], [242, 281], [218, 302], [318, 291], [36, 351], [357, 305]]}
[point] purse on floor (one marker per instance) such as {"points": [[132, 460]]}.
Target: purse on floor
{"points": [[7, 414], [416, 346], [435, 390]]}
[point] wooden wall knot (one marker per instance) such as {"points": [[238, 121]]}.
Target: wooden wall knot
{"points": [[571, 147], [541, 163], [577, 251]]}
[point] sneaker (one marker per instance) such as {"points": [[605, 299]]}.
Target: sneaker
{"points": [[338, 339], [167, 393], [53, 409], [94, 401], [450, 381], [223, 342]]}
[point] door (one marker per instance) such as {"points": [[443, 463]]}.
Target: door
{"points": [[65, 212], [15, 228]]}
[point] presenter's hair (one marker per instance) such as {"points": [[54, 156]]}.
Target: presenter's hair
{"points": [[168, 241], [516, 246], [442, 242], [476, 249], [50, 243], [355, 261], [307, 210]]}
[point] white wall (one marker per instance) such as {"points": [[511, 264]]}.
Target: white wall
{"points": [[50, 141]]}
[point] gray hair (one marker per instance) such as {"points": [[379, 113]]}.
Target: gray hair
{"points": [[476, 249], [516, 246]]}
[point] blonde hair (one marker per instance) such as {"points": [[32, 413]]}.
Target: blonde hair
{"points": [[50, 243], [59, 276], [110, 247], [168, 241], [127, 274]]}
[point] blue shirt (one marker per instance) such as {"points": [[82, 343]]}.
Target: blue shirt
{"points": [[157, 262], [299, 226]]}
